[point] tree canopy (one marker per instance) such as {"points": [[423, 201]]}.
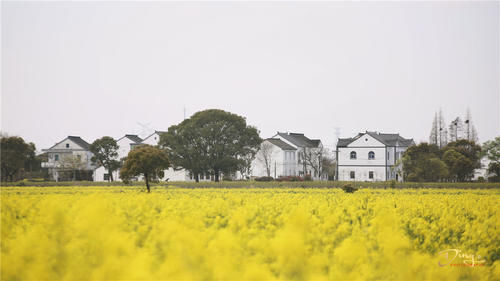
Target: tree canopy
{"points": [[422, 163], [491, 149], [15, 155], [145, 160], [105, 152], [213, 141], [454, 162]]}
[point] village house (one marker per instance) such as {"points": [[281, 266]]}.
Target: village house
{"points": [[125, 144], [293, 154], [371, 156], [275, 158], [69, 159]]}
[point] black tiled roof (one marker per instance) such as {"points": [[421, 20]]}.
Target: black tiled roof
{"points": [[281, 144], [299, 139], [134, 138], [387, 139], [78, 140]]}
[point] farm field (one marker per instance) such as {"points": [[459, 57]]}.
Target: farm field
{"points": [[122, 233]]}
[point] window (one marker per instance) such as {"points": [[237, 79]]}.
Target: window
{"points": [[207, 176], [106, 177], [371, 155], [56, 157], [352, 175], [79, 157], [353, 154], [67, 145], [370, 174]]}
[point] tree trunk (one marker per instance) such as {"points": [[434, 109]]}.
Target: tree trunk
{"points": [[197, 177], [216, 175], [110, 175], [147, 181], [74, 175]]}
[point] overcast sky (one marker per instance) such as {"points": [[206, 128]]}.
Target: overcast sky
{"points": [[96, 69]]}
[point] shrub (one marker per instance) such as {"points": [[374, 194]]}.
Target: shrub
{"points": [[308, 178], [290, 178], [349, 189], [264, 179]]}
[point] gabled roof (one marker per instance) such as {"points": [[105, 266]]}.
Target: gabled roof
{"points": [[386, 139], [155, 132], [78, 140], [134, 138], [281, 144], [299, 140]]}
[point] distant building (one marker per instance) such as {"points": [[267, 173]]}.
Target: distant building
{"points": [[69, 159], [293, 155], [370, 156], [125, 144], [276, 157]]}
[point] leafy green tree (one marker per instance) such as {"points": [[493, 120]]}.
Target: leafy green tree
{"points": [[462, 168], [422, 163], [15, 154], [105, 152], [491, 149], [213, 141], [145, 160], [459, 166]]}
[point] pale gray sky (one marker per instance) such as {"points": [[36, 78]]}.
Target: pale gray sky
{"points": [[96, 69]]}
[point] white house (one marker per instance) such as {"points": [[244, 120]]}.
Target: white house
{"points": [[69, 159], [293, 154], [370, 156], [308, 155], [125, 144], [275, 158]]}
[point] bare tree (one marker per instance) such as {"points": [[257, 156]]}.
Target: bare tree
{"points": [[456, 129], [71, 163], [265, 156], [434, 136], [313, 157], [470, 133], [443, 133]]}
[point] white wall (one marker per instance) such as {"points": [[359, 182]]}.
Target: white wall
{"points": [[361, 173]]}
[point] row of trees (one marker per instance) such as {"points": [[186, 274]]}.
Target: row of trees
{"points": [[457, 130], [457, 161]]}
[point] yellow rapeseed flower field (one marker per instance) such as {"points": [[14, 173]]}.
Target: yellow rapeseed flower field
{"points": [[121, 233]]}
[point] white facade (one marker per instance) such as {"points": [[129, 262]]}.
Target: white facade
{"points": [[72, 153], [304, 145], [370, 156], [282, 160]]}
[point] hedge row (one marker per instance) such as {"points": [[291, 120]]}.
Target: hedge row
{"points": [[263, 184]]}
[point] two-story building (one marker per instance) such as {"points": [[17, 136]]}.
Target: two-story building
{"points": [[370, 156], [275, 158], [308, 155], [69, 159]]}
